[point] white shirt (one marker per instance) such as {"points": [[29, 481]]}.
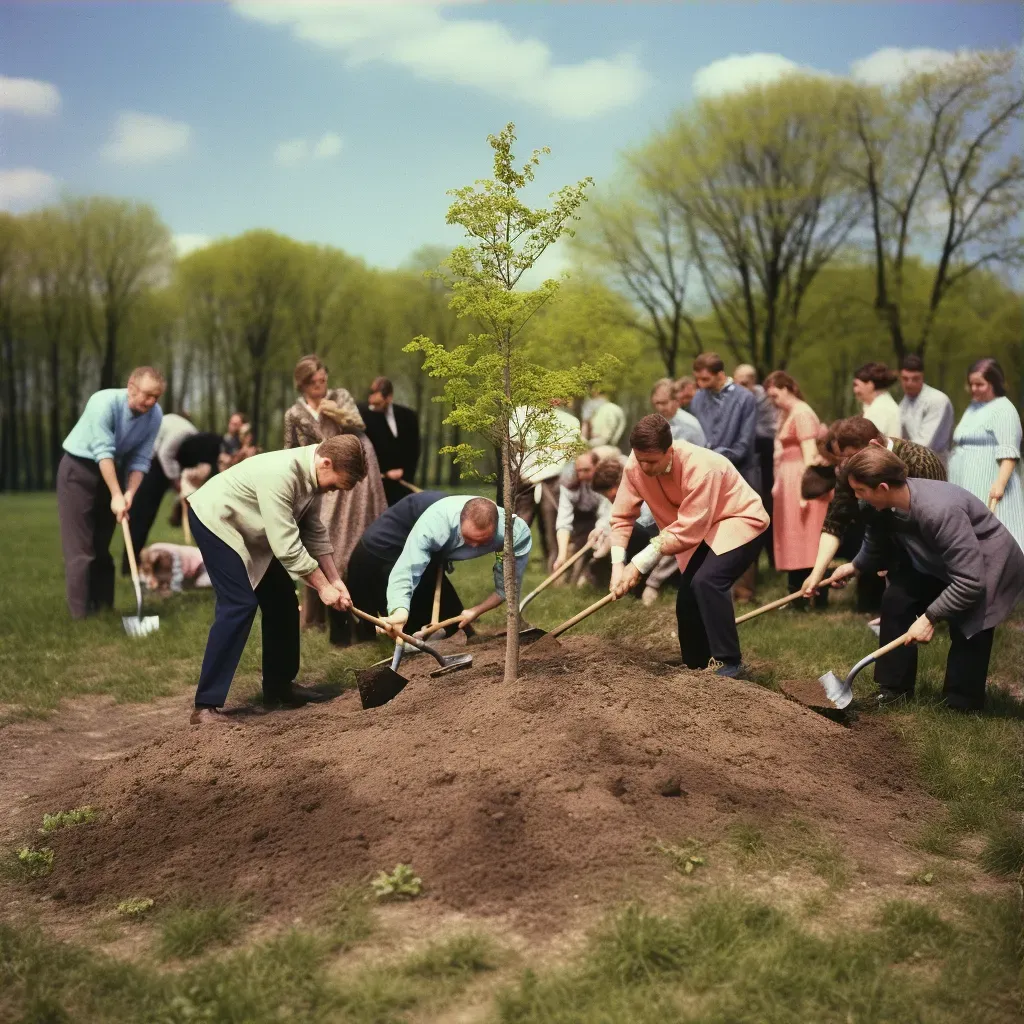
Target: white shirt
{"points": [[389, 415], [543, 464], [885, 414], [173, 430]]}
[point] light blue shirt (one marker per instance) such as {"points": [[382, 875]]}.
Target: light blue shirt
{"points": [[108, 429], [686, 427], [437, 534]]}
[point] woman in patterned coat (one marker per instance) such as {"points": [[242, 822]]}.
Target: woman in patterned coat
{"points": [[317, 415]]}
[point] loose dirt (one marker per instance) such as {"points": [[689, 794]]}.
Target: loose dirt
{"points": [[527, 798]]}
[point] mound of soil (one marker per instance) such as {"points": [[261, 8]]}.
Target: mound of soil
{"points": [[529, 796]]}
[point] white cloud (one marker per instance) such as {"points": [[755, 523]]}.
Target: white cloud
{"points": [[740, 71], [892, 64], [299, 151], [145, 138], [479, 54], [25, 186], [29, 96], [189, 242]]}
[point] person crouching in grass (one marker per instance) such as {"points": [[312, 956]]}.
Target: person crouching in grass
{"points": [[950, 559], [258, 525]]}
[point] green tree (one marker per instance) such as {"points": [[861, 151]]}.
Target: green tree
{"points": [[934, 165], [493, 388]]}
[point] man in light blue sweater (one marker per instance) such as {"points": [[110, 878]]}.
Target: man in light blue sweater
{"points": [[111, 442]]}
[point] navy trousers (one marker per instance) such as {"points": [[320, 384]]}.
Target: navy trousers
{"points": [[236, 609]]}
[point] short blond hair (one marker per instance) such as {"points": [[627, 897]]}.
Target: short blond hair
{"points": [[141, 372]]}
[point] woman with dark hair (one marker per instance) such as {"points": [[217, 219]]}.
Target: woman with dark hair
{"points": [[319, 414], [797, 522], [871, 383], [986, 447]]}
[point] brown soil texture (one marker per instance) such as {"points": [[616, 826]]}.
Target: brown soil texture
{"points": [[530, 797]]}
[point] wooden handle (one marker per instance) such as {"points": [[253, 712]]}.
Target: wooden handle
{"points": [[544, 584], [890, 646], [184, 521], [404, 483], [392, 631], [427, 630], [131, 552], [569, 623], [771, 606], [436, 609], [992, 504]]}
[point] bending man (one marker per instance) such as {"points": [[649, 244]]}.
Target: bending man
{"points": [[258, 525], [952, 560], [710, 518]]}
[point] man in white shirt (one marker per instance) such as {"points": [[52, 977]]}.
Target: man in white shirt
{"points": [[926, 414], [684, 425], [541, 469], [604, 422]]}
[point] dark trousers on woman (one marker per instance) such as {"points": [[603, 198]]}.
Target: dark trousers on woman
{"points": [[86, 527], [145, 506], [368, 576], [905, 599], [236, 608], [704, 609]]}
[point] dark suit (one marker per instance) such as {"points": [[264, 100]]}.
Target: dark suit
{"points": [[394, 452]]}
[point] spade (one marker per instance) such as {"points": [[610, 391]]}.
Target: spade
{"points": [[840, 691]]}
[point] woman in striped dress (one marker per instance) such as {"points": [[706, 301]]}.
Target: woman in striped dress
{"points": [[986, 447]]}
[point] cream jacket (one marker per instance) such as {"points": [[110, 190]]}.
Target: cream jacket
{"points": [[267, 507]]}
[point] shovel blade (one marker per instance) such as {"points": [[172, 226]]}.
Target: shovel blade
{"points": [[837, 690], [546, 646], [377, 686], [526, 636], [140, 625], [452, 663]]}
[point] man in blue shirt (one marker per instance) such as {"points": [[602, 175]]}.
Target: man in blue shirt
{"points": [[111, 442], [727, 414], [393, 569]]}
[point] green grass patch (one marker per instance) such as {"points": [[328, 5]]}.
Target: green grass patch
{"points": [[185, 932], [65, 819], [348, 918]]}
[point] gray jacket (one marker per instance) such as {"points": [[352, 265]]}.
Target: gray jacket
{"points": [[950, 534]]}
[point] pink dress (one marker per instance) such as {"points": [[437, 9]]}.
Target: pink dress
{"points": [[796, 529]]}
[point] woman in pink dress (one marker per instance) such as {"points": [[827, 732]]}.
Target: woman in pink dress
{"points": [[797, 523]]}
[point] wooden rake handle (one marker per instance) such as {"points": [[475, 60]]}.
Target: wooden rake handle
{"points": [[131, 552], [772, 605], [580, 616], [565, 567]]}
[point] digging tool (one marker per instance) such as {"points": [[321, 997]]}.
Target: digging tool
{"points": [[772, 605], [138, 626], [400, 648], [405, 483], [544, 584], [378, 685], [993, 504], [840, 691], [549, 644], [184, 521]]}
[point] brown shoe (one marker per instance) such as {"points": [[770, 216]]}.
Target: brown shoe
{"points": [[209, 716]]}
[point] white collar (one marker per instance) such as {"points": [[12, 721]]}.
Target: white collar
{"points": [[315, 413]]}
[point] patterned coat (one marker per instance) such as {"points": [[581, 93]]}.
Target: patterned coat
{"points": [[346, 514]]}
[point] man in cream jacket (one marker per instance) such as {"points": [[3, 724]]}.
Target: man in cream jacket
{"points": [[258, 526]]}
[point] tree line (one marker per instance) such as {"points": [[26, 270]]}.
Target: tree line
{"points": [[809, 224]]}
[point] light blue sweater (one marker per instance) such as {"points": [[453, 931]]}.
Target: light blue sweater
{"points": [[108, 429]]}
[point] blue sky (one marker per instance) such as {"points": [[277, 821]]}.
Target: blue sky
{"points": [[345, 123]]}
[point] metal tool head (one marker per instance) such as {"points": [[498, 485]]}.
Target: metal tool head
{"points": [[138, 625], [452, 663], [545, 646], [839, 691], [526, 636], [378, 685]]}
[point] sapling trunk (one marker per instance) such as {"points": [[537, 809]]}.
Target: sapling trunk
{"points": [[509, 554]]}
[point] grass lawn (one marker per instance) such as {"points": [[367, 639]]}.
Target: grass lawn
{"points": [[765, 926]]}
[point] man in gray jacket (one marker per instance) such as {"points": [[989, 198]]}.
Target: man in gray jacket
{"points": [[952, 560]]}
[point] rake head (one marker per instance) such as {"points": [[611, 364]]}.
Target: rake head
{"points": [[140, 625], [839, 691]]}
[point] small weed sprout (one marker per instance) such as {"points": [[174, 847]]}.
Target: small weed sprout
{"points": [[402, 883], [65, 819], [684, 858], [135, 907], [36, 863]]}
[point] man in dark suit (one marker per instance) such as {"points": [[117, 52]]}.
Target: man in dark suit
{"points": [[394, 432]]}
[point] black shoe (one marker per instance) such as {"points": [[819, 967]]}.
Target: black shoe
{"points": [[293, 696]]}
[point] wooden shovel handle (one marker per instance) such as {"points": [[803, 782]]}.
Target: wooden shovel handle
{"points": [[771, 606], [436, 609], [131, 552], [392, 631], [993, 504], [184, 521], [892, 645], [405, 484], [563, 568], [569, 623], [443, 624]]}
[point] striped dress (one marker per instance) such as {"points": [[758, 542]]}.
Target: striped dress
{"points": [[988, 432]]}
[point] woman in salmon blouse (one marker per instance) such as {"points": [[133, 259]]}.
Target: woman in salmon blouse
{"points": [[797, 523]]}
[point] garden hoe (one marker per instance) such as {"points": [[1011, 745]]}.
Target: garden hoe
{"points": [[549, 644], [378, 685], [137, 626], [781, 602], [840, 691]]}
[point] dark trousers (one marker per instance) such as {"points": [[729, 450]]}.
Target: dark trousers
{"points": [[704, 610], [368, 577], [236, 608], [145, 506], [86, 527], [870, 588], [905, 599], [795, 580], [764, 454]]}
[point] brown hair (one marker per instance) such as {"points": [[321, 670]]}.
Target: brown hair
{"points": [[664, 382], [912, 363], [146, 371], [710, 361], [607, 475], [346, 455], [382, 386], [876, 373], [853, 432], [817, 481], [992, 372], [781, 379], [481, 512], [651, 434], [872, 466], [305, 369]]}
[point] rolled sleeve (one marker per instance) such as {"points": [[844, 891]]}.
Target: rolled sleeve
{"points": [[283, 533]]}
